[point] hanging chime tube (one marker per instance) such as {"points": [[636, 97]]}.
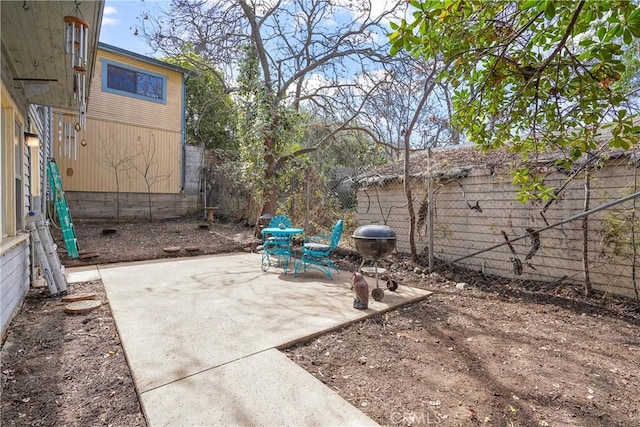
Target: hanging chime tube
{"points": [[67, 36], [59, 135], [86, 42], [73, 44], [80, 45]]}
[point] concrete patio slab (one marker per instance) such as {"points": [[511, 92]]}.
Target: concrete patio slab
{"points": [[186, 323], [265, 389], [82, 274]]}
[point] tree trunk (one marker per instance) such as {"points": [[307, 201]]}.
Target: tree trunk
{"points": [[270, 189], [429, 84], [412, 213], [585, 232]]}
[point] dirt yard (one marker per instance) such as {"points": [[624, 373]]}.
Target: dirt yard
{"points": [[479, 351]]}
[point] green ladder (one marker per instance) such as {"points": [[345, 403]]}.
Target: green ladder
{"points": [[64, 216]]}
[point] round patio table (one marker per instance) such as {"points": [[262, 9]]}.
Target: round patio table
{"points": [[282, 231], [283, 251]]}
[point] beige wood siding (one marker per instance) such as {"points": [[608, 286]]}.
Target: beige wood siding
{"points": [[130, 110], [460, 230], [131, 144], [131, 151]]}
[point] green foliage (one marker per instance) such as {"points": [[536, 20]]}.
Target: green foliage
{"points": [[535, 75], [265, 132], [531, 187], [630, 81], [618, 229], [210, 111]]}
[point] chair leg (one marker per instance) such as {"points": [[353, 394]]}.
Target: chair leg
{"points": [[265, 262], [323, 265], [298, 264], [285, 261], [282, 257]]}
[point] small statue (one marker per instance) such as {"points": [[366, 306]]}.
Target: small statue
{"points": [[361, 301]]}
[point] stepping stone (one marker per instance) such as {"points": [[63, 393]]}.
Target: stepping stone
{"points": [[79, 297], [192, 248], [81, 307], [88, 255], [172, 249]]}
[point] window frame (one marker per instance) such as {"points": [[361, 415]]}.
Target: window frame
{"points": [[19, 195], [105, 88], [12, 172]]}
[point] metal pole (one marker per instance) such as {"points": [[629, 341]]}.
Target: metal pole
{"points": [[307, 199], [540, 230], [430, 209]]}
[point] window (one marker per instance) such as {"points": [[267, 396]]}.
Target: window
{"points": [[18, 174], [5, 149], [124, 80], [13, 196]]}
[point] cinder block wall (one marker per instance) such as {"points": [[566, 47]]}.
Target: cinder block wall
{"points": [[93, 205], [471, 212]]}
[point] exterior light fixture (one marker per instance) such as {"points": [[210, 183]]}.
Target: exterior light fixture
{"points": [[32, 139]]}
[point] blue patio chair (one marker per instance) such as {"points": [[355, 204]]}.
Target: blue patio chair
{"points": [[317, 251], [276, 245], [280, 221]]}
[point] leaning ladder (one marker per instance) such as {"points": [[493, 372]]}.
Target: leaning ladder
{"points": [[52, 269], [64, 215]]}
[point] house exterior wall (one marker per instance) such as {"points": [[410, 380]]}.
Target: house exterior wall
{"points": [[16, 164], [14, 280], [130, 144], [22, 184], [165, 115], [471, 213]]}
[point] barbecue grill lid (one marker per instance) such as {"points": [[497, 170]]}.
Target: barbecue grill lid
{"points": [[374, 231]]}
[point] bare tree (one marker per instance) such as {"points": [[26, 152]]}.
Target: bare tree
{"points": [[117, 158], [149, 167], [392, 108], [311, 54]]}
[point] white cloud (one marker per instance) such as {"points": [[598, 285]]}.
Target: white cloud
{"points": [[315, 82], [360, 10], [109, 10], [106, 21], [107, 18]]}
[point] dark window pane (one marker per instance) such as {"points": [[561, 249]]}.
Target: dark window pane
{"points": [[135, 82], [150, 86], [121, 79]]}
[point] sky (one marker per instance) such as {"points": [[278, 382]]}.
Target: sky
{"points": [[119, 20]]}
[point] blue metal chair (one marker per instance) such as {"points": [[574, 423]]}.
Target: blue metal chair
{"points": [[276, 245], [280, 221], [317, 250]]}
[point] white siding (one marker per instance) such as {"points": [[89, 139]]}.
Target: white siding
{"points": [[14, 281]]}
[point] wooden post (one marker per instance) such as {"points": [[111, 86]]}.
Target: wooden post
{"points": [[210, 211]]}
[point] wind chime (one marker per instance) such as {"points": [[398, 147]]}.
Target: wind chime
{"points": [[76, 42], [68, 129]]}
